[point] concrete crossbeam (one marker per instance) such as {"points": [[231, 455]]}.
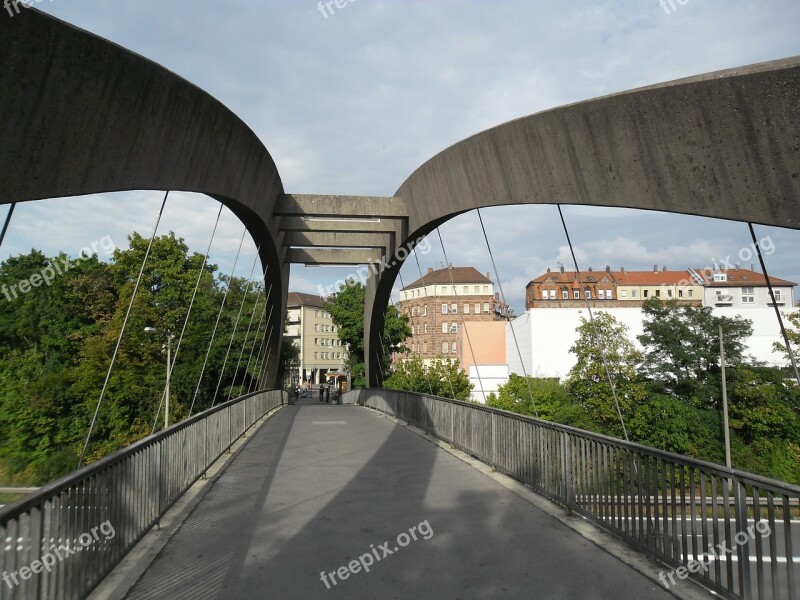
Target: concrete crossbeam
{"points": [[305, 205], [324, 239], [331, 256], [341, 225]]}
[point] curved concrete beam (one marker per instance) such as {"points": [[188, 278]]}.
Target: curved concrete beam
{"points": [[82, 116], [724, 145]]}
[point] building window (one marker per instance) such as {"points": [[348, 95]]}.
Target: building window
{"points": [[624, 293], [444, 309], [477, 289], [778, 296], [419, 329], [690, 293], [477, 308], [426, 328], [466, 309], [609, 294], [634, 293], [601, 294], [645, 293], [564, 294], [588, 293], [486, 289], [425, 311], [669, 293], [680, 293], [424, 347], [466, 289], [454, 328], [454, 348], [486, 307], [720, 277], [445, 347], [552, 294], [316, 327], [658, 293], [576, 294], [454, 309], [444, 327]]}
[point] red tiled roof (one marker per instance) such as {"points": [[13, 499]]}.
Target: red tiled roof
{"points": [[741, 278], [460, 275], [301, 299]]}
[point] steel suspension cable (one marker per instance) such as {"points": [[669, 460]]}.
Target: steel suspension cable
{"points": [[255, 338], [427, 375], [263, 349], [236, 325], [435, 325], [508, 316], [246, 337], [186, 320], [122, 331], [774, 303], [594, 326], [7, 222], [461, 314], [216, 324]]}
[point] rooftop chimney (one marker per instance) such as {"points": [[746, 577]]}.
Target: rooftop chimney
{"points": [[590, 269], [655, 268], [562, 269], [548, 269], [488, 276], [752, 267], [664, 270], [608, 269], [430, 270], [622, 269], [449, 265]]}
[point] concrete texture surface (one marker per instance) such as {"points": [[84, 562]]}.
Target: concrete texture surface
{"points": [[322, 485], [721, 144]]}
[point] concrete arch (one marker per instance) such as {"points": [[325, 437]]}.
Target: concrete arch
{"points": [[82, 115], [724, 145]]}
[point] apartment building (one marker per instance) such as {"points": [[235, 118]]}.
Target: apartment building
{"points": [[741, 288], [737, 287], [439, 302], [312, 331]]}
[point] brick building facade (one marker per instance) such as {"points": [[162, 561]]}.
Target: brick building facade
{"points": [[439, 302]]}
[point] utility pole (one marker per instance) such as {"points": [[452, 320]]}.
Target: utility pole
{"points": [[724, 401], [169, 366]]}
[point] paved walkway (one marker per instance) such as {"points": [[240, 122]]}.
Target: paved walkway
{"points": [[341, 489]]}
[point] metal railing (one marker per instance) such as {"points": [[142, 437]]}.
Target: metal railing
{"points": [[61, 541], [732, 531]]}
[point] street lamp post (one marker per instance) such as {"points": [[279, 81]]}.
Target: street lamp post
{"points": [[154, 330]]}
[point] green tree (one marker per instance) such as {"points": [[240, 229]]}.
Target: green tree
{"points": [[682, 349], [793, 335], [443, 378], [588, 383], [347, 313]]}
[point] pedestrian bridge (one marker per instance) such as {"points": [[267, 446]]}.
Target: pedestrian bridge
{"points": [[339, 500]]}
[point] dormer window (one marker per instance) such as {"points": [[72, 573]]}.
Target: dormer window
{"points": [[720, 277]]}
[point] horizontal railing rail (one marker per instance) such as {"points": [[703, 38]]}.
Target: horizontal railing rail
{"points": [[61, 541], [732, 531]]}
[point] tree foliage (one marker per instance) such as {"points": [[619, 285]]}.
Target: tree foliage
{"points": [[56, 343], [347, 313], [443, 378]]}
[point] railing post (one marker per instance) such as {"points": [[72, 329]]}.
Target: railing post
{"points": [[740, 501], [494, 440], [566, 471]]}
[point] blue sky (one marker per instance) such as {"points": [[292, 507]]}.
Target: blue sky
{"points": [[352, 103]]}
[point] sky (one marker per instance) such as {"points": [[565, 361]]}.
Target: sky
{"points": [[353, 100]]}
